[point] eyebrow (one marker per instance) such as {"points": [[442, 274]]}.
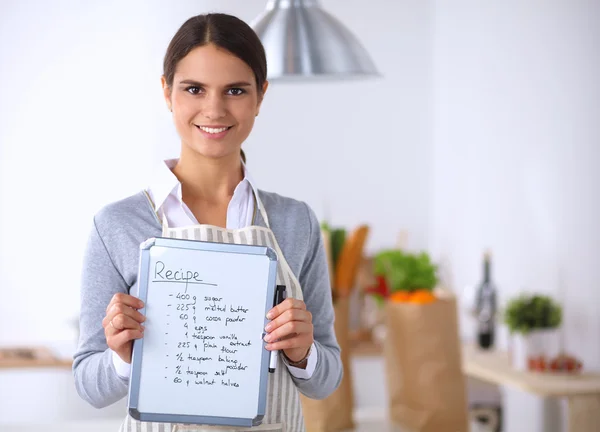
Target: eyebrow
{"points": [[199, 84]]}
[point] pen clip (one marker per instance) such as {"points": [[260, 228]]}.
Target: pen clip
{"points": [[279, 294]]}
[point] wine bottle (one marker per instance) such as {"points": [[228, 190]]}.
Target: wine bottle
{"points": [[486, 306]]}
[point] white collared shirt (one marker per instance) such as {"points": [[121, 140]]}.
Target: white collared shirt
{"points": [[165, 192]]}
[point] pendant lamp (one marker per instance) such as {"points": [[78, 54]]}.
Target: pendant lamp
{"points": [[304, 42]]}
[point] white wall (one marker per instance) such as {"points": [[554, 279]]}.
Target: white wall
{"points": [[82, 121], [516, 150], [516, 154]]}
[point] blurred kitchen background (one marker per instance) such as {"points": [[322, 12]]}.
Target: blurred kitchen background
{"points": [[482, 133]]}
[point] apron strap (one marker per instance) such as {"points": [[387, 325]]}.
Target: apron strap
{"points": [[162, 219], [165, 225], [261, 208]]}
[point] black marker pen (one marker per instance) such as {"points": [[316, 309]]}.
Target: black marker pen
{"points": [[278, 298]]}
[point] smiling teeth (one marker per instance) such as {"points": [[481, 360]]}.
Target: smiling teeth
{"points": [[213, 130]]}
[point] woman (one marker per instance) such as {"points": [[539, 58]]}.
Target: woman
{"points": [[214, 82]]}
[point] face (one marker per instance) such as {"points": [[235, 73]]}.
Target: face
{"points": [[214, 100]]}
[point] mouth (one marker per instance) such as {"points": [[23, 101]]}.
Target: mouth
{"points": [[213, 132], [213, 129]]}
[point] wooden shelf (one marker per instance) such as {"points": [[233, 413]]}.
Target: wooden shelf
{"points": [[31, 357], [495, 367], [365, 349]]}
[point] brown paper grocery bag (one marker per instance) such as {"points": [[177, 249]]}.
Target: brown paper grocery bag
{"points": [[426, 386], [334, 413]]}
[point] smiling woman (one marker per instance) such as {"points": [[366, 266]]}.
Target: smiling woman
{"points": [[214, 82]]}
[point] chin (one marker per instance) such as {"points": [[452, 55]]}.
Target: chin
{"points": [[213, 150]]}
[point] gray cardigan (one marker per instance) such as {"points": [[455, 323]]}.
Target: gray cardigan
{"points": [[111, 266]]}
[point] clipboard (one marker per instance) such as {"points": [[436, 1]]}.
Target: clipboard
{"points": [[202, 358]]}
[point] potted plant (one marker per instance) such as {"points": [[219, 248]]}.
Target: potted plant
{"points": [[533, 321]]}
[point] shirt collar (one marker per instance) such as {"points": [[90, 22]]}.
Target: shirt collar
{"points": [[165, 183], [248, 178]]}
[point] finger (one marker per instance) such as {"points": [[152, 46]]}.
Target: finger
{"points": [[293, 328], [289, 315], [300, 341], [287, 304], [123, 322], [121, 338], [106, 321], [110, 330], [125, 299], [120, 308]]}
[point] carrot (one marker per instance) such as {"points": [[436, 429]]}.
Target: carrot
{"points": [[347, 265], [400, 297], [422, 297]]}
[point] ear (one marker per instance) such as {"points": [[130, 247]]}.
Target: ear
{"points": [[262, 96], [166, 92]]}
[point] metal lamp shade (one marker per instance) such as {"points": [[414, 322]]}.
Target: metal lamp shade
{"points": [[302, 41]]}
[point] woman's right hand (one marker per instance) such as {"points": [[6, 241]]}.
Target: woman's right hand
{"points": [[123, 323]]}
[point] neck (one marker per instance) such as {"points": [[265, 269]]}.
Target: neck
{"points": [[208, 180]]}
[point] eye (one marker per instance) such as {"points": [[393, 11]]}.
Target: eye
{"points": [[236, 91], [193, 90]]}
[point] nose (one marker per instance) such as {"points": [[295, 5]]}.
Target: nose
{"points": [[214, 107]]}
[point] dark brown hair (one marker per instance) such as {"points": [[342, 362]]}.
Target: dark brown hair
{"points": [[224, 31]]}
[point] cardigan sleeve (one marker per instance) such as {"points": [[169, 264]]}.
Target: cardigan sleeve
{"points": [[316, 289], [96, 379]]}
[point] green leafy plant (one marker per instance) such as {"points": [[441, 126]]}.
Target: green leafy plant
{"points": [[406, 271], [527, 312], [338, 238]]}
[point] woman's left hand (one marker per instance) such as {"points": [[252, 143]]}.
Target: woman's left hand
{"points": [[290, 329]]}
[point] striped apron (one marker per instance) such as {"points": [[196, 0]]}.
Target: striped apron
{"points": [[283, 410]]}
